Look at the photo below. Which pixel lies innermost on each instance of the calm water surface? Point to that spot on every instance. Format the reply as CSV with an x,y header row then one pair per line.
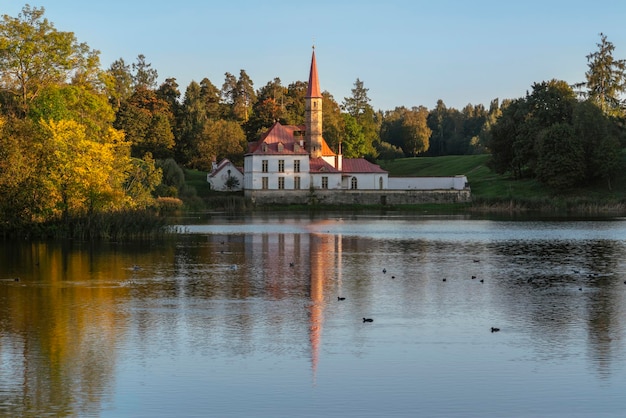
x,y
240,317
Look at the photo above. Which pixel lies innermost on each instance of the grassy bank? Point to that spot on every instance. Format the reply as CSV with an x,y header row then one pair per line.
x,y
491,192
494,192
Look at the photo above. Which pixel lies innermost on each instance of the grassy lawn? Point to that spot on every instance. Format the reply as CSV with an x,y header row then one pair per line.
x,y
485,183
488,186
197,180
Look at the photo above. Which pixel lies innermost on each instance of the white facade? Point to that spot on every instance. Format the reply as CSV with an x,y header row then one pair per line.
x,y
218,177
365,181
272,168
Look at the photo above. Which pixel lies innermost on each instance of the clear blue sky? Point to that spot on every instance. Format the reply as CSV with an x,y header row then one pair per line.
x,y
406,52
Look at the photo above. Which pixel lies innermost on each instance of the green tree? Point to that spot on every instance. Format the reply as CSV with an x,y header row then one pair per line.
x,y
173,178
441,123
357,106
415,131
354,144
145,119
294,103
73,102
600,143
561,160
144,75
505,133
142,178
168,91
481,145
200,105
119,83
20,173
333,122
474,119
34,56
407,129
232,182
220,139
239,94
606,78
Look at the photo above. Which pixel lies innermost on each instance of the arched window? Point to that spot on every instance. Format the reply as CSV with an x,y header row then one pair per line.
x,y
353,183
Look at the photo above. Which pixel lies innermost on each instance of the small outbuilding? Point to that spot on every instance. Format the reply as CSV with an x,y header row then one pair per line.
x,y
225,176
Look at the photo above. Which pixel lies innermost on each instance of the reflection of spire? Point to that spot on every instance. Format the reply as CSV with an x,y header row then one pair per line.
x,y
321,249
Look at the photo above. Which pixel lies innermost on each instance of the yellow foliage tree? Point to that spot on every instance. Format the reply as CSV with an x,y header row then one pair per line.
x,y
82,175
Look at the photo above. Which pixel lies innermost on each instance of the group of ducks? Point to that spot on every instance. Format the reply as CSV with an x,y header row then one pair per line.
x,y
493,329
340,298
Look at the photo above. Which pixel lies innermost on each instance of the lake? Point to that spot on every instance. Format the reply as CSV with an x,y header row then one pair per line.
x,y
242,317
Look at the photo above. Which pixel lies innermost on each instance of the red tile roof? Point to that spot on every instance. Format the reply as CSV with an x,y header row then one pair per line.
x,y
223,164
360,165
286,136
318,165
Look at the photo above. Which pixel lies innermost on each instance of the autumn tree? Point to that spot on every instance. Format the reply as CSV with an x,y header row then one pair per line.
x,y
74,102
145,119
20,178
83,175
407,129
267,110
220,139
34,55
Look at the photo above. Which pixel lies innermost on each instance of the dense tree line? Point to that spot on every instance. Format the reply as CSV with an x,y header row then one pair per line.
x,y
559,139
76,138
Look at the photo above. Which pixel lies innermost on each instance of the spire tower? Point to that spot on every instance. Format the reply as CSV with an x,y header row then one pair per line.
x,y
313,112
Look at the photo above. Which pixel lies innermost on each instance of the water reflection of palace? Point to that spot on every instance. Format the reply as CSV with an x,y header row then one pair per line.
x,y
305,263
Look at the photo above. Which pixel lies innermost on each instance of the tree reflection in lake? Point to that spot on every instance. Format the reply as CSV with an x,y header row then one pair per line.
x,y
241,317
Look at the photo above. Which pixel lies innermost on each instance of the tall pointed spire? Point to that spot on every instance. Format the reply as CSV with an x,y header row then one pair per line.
x,y
314,84
313,113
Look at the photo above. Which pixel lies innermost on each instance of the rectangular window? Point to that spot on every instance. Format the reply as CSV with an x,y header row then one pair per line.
x,y
281,166
296,166
324,182
296,183
264,183
264,166
281,183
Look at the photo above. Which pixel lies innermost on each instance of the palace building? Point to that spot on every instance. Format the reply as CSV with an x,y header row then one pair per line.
x,y
293,164
290,158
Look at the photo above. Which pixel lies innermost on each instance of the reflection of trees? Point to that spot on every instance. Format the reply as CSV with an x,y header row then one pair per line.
x,y
63,331
241,295
553,286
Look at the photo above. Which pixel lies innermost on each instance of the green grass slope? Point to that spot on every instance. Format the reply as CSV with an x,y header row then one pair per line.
x,y
489,188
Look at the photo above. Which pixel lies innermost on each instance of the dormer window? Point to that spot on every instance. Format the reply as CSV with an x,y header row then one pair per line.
x,y
281,147
265,147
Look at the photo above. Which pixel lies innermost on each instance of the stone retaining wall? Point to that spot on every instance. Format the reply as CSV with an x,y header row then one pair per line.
x,y
358,197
